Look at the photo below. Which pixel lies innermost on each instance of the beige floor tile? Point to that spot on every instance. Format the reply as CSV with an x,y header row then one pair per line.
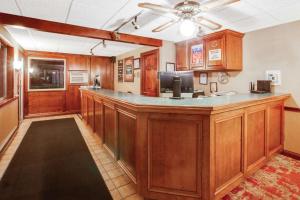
x,y
110,185
121,180
127,190
115,173
115,194
134,197
106,160
105,176
110,166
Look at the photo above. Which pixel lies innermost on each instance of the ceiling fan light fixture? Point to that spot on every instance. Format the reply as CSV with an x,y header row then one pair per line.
x,y
187,28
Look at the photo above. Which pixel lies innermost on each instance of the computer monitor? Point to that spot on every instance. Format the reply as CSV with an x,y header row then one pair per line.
x,y
187,81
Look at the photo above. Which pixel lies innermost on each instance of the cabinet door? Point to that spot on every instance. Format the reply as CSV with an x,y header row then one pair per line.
x,y
84,106
99,117
215,53
182,56
73,98
90,111
196,54
275,132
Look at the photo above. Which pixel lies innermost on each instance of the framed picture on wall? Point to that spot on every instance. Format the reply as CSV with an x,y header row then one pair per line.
x,y
197,55
128,69
120,70
136,63
203,78
170,67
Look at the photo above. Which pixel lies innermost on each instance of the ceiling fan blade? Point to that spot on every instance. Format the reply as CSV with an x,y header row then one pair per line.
x,y
213,4
207,23
158,7
164,26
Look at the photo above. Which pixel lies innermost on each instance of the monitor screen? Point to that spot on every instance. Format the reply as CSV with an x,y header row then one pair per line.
x,y
187,81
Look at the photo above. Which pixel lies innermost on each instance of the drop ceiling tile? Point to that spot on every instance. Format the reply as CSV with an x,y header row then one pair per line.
x,y
9,6
287,13
129,10
236,11
271,4
255,23
22,36
93,13
52,10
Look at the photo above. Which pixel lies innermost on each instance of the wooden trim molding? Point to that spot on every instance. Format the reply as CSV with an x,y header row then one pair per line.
x,y
68,29
291,109
50,114
7,101
291,154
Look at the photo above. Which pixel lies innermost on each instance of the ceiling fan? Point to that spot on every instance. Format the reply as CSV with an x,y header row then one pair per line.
x,y
188,14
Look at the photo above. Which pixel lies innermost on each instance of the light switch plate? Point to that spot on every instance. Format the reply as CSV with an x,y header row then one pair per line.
x,y
274,76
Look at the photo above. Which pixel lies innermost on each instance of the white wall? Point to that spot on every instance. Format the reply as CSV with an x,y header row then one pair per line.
x,y
167,54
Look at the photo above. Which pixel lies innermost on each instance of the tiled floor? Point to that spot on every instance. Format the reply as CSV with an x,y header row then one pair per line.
x,y
117,181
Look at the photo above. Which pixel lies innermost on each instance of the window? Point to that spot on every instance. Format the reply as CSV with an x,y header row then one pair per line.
x,y
3,66
46,74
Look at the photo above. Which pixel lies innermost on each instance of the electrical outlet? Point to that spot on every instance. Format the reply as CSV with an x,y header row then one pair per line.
x,y
274,76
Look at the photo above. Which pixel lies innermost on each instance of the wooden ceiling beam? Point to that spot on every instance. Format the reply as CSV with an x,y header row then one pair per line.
x,y
68,29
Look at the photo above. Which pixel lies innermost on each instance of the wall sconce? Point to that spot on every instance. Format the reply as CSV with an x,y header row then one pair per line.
x,y
31,70
18,64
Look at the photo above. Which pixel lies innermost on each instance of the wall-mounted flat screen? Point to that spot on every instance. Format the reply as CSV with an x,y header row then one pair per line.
x,y
166,81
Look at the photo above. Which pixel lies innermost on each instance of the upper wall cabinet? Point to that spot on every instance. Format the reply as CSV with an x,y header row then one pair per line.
x,y
220,51
182,61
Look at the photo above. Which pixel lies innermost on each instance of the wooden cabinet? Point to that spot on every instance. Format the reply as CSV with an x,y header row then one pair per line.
x,y
196,54
222,51
182,59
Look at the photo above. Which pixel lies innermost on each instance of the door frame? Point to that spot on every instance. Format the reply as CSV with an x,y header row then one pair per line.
x,y
156,51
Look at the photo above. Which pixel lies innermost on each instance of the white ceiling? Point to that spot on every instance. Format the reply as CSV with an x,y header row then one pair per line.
x,y
243,16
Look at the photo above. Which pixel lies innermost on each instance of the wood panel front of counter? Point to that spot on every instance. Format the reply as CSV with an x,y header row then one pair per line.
x,y
180,153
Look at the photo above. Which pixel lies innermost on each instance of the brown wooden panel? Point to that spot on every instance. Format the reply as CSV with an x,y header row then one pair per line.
x,y
103,65
228,149
46,102
127,138
256,132
73,98
174,155
275,127
110,128
98,117
90,111
84,106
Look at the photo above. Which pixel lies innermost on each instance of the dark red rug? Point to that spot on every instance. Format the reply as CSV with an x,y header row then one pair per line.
x,y
279,179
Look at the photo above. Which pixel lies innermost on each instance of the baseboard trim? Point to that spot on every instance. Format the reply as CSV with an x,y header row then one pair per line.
x,y
50,114
291,154
8,139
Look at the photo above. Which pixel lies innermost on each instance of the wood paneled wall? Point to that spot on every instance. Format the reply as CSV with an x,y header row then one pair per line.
x,y
39,103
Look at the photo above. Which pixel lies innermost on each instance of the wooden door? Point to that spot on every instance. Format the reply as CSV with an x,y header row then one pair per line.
x,y
150,63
